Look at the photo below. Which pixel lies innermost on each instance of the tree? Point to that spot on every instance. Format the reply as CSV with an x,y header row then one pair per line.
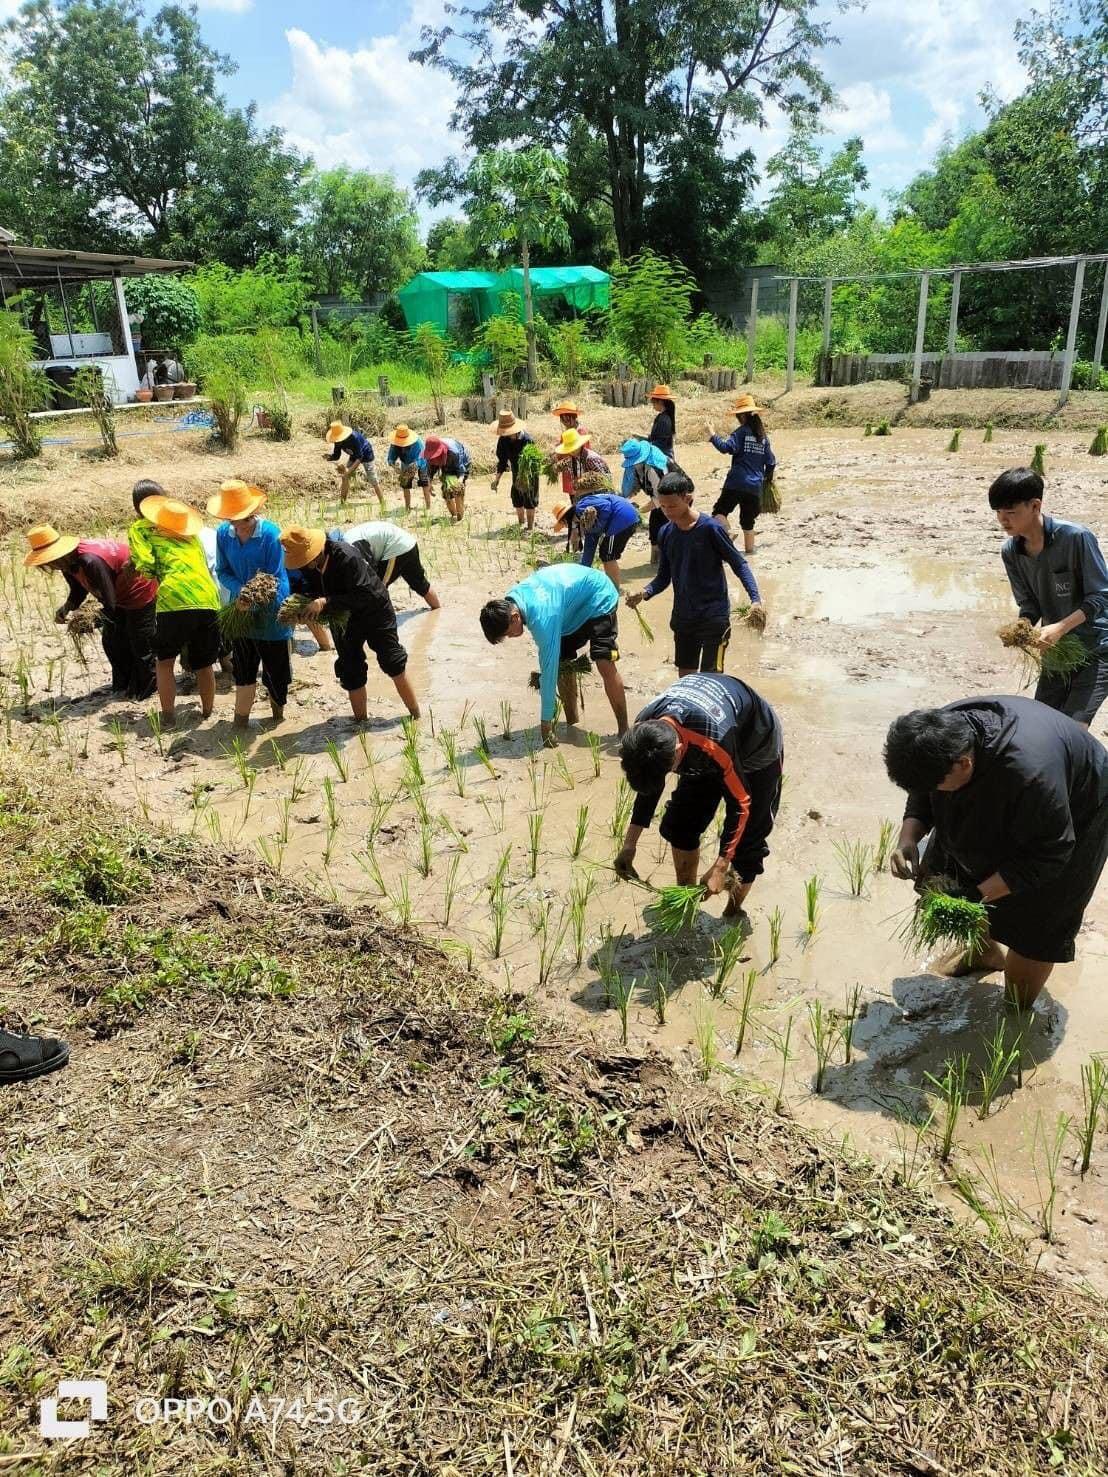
x,y
362,234
812,197
634,74
696,212
451,247
169,309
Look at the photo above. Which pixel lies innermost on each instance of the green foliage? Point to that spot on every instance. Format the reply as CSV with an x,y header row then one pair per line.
x,y
225,388
361,235
433,356
169,309
568,342
650,313
89,388
812,197
504,339
273,294
23,390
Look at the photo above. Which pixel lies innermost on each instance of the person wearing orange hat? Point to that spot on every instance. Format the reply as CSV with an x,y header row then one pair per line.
x,y
511,438
247,545
102,567
340,579
359,453
663,432
406,454
752,467
165,546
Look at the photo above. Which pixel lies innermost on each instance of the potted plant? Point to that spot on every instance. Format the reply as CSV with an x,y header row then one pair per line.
x,y
185,390
164,392
144,395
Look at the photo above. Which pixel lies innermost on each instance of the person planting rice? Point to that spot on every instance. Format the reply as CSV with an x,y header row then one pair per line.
x,y
752,468
406,454
607,522
663,432
574,457
358,449
394,554
563,606
511,438
448,456
1059,579
693,550
165,546
341,579
723,741
1013,798
644,466
246,546
102,567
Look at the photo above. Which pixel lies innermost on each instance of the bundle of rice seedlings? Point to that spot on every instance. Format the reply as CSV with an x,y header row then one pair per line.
x,y
1062,659
532,465
1038,461
243,616
452,486
754,616
676,908
644,625
882,428
869,429
988,436
576,664
291,613
1099,445
84,622
592,482
771,496
941,918
955,441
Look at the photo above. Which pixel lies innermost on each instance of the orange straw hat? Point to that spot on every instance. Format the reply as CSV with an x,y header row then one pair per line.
x,y
236,499
47,544
571,443
746,405
661,392
170,516
566,407
563,512
302,545
507,425
404,436
336,431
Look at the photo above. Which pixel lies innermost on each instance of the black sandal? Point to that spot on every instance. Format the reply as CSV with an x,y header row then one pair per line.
x,y
24,1057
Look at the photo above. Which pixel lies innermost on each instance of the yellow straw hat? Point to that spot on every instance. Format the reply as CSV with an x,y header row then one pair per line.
x,y
236,499
336,431
571,443
47,544
746,405
563,512
172,517
302,545
404,436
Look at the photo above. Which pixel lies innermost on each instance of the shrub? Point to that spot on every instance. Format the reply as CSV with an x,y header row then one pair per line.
x,y
650,312
504,339
90,389
569,339
433,356
22,388
226,391
213,352
169,309
1089,376
272,294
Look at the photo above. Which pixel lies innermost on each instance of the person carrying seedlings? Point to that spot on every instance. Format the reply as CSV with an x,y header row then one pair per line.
x,y
406,454
102,567
1059,578
607,522
751,469
693,550
248,545
359,453
723,741
663,432
511,438
563,606
568,414
446,455
644,466
341,580
394,554
1013,798
573,456
165,546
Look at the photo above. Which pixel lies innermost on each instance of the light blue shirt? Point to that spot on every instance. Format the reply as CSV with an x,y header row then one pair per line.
x,y
237,562
555,602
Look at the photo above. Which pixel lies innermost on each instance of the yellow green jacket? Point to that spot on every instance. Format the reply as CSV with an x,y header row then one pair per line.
x,y
178,564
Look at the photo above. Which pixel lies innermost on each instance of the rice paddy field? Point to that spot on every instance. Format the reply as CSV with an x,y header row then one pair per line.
x,y
819,1019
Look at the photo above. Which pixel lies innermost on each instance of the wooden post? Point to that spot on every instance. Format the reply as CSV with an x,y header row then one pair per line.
x,y
751,331
952,328
921,325
315,342
1071,333
1102,320
827,315
124,322
794,285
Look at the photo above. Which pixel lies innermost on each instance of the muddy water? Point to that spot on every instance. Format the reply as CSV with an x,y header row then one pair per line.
x,y
878,603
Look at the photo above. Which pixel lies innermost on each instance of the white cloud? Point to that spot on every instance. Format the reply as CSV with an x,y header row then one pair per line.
x,y
867,111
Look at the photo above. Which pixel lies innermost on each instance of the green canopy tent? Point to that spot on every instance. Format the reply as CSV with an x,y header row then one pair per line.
x,y
580,287
426,298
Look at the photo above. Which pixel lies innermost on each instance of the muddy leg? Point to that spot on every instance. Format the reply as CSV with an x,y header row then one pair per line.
x,y
407,694
167,689
567,691
1023,979
686,866
614,691
205,686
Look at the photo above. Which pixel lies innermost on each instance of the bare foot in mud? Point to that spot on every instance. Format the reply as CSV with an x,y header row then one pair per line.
x,y
957,963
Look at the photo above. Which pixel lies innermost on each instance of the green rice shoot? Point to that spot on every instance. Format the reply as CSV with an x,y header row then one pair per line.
x,y
532,464
243,617
941,919
644,626
291,613
676,908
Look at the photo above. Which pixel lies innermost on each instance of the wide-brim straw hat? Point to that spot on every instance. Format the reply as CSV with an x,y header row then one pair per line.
x,y
235,500
302,545
563,512
661,392
746,405
566,407
172,517
572,441
336,431
404,436
434,450
507,425
47,544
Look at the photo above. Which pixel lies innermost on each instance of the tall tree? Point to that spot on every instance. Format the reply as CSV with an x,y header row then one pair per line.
x,y
362,233
635,73
696,211
813,196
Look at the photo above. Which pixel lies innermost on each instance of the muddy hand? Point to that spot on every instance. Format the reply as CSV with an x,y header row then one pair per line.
x,y
625,867
904,862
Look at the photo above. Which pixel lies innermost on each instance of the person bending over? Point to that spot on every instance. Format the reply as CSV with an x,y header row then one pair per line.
x,y
394,554
359,453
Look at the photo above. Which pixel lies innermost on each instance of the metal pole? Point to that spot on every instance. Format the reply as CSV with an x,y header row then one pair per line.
x,y
1101,321
794,284
124,323
955,295
751,331
315,341
1071,333
921,325
65,315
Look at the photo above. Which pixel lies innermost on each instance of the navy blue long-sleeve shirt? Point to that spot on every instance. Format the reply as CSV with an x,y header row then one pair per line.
x,y
752,461
1070,573
692,560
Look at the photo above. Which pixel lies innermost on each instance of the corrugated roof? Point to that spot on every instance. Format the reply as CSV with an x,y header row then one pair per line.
x,y
42,266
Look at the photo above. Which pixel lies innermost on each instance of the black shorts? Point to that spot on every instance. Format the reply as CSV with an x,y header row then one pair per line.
x,y
1079,695
658,521
409,476
409,568
613,546
602,634
524,497
703,648
272,656
198,630
374,628
695,801
748,503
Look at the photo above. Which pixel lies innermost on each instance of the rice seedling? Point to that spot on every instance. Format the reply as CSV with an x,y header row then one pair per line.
x,y
581,831
550,937
594,749
746,999
154,722
1099,444
506,721
781,1044
675,909
728,950
367,860
298,780
22,675
775,921
882,428
849,1020
482,746
241,618
856,862
278,755
416,795
662,983
284,810
215,827
1060,659
1002,1202
1094,1095
426,848
539,779
883,850
625,800
706,1036
955,441
338,759
402,903
252,780
1001,1055
822,1034
606,965
498,911
534,840
1038,460
812,889
410,751
237,755
939,918
450,889
367,752
272,851
291,613
868,429
580,891
565,774
53,725
988,436
1046,1156
486,806
951,1091
644,626
771,495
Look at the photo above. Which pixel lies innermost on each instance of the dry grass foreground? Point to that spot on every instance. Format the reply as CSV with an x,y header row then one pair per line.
x,y
299,1154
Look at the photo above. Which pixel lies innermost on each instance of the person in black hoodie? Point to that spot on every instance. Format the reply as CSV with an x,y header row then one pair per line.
x,y
663,432
1014,798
